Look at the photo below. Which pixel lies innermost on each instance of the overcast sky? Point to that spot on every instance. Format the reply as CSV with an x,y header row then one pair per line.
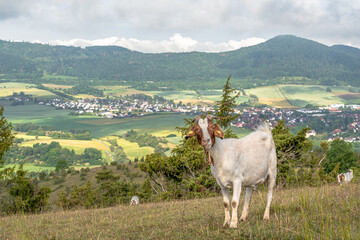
x,y
178,25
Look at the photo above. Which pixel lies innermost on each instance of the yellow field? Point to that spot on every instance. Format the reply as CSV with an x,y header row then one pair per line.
x,y
85,96
78,145
28,137
131,149
8,88
270,95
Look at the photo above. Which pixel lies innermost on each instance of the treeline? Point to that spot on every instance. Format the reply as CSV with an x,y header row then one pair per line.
x,y
147,140
26,127
84,89
69,135
56,92
49,154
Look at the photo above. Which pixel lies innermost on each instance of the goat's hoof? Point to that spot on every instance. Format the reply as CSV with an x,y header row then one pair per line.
x,y
225,223
233,225
243,219
266,217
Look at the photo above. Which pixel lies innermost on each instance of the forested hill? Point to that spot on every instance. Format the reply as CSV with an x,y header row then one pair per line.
x,y
281,59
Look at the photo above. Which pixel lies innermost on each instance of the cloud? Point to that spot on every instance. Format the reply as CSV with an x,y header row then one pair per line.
x,y
330,21
176,43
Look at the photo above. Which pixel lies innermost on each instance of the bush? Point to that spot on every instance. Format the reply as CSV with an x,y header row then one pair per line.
x,y
25,195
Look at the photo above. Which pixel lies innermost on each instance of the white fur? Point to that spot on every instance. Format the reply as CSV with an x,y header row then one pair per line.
x,y
134,200
244,162
347,177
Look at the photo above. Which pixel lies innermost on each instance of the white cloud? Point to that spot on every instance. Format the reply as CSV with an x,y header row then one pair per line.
x,y
176,43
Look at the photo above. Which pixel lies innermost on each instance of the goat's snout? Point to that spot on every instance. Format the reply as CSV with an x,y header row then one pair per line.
x,y
205,141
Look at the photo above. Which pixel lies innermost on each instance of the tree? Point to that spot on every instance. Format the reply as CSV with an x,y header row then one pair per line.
x,y
25,194
339,152
225,112
6,140
291,153
60,165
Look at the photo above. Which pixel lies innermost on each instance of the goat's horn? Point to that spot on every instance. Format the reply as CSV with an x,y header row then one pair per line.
x,y
211,117
197,118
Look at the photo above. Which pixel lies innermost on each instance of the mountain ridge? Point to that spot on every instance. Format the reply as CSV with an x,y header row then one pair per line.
x,y
284,56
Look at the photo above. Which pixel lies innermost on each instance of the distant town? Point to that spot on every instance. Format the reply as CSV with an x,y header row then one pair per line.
x,y
336,120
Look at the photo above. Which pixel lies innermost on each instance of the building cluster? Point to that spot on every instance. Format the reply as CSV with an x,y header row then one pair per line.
x,y
120,108
338,120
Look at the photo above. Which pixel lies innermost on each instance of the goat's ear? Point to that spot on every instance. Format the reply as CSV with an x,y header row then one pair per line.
x,y
191,133
218,132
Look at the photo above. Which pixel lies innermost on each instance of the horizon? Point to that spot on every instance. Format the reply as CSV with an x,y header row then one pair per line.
x,y
174,45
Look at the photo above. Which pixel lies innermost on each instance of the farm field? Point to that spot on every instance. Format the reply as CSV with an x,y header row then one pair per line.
x,y
301,95
31,167
78,145
326,212
8,88
99,127
57,86
131,149
284,96
117,91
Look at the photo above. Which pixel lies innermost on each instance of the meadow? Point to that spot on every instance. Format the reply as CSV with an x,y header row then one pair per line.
x,y
326,212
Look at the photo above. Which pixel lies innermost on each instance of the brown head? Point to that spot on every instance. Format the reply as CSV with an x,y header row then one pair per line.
x,y
206,131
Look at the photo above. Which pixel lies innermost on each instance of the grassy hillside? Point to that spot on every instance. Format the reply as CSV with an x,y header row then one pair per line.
x,y
327,212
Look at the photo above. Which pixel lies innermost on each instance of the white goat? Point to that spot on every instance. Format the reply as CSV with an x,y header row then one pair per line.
x,y
238,162
345,177
134,200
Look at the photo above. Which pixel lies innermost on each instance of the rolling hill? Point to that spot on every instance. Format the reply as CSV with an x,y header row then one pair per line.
x,y
282,59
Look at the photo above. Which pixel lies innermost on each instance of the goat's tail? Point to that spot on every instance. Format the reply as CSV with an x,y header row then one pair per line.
x,y
264,127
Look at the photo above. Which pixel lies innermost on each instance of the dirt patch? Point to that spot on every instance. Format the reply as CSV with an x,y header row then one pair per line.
x,y
348,96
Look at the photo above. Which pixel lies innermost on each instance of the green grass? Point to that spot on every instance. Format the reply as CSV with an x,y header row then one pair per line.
x,y
328,212
301,95
31,167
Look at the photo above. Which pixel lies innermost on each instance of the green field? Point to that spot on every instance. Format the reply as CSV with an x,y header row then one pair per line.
x,y
284,96
301,95
326,212
31,167
99,127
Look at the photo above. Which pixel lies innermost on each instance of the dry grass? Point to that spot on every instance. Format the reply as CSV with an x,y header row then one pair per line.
x,y
328,212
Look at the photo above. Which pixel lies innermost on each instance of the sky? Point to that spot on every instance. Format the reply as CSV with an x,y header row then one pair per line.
x,y
178,25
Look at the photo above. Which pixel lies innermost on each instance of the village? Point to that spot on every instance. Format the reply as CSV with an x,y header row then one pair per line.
x,y
338,120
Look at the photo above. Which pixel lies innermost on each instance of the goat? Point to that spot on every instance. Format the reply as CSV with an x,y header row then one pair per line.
x,y
134,200
238,162
345,177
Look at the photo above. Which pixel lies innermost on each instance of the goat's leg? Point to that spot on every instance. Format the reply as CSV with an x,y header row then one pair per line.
x,y
245,211
225,193
235,203
272,180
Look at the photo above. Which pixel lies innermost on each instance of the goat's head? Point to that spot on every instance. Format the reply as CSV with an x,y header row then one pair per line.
x,y
205,131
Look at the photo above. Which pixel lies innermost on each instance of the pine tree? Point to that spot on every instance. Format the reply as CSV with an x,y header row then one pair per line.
x,y
6,140
225,113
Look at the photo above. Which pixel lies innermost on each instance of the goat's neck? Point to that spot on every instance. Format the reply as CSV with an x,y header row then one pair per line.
x,y
215,151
